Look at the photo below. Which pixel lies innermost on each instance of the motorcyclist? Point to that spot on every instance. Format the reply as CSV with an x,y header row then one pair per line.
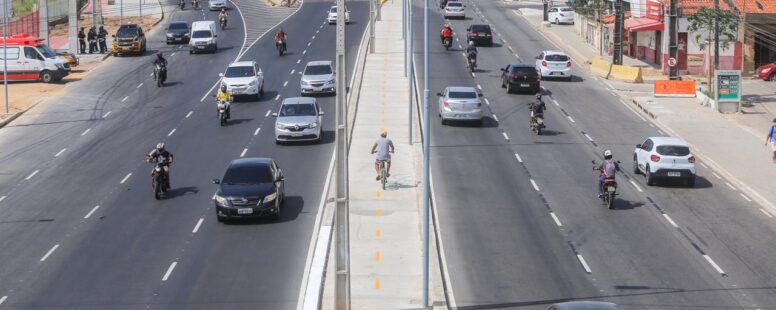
x,y
471,52
223,96
608,169
194,4
222,16
161,61
280,36
181,3
446,33
537,108
161,155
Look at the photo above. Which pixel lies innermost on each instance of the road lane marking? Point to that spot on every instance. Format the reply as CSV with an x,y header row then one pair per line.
x,y
766,213
245,150
292,71
209,91
495,117
285,83
268,112
716,175
588,137
3,198
169,271
196,227
555,218
32,174
173,54
730,185
536,187
570,119
479,86
49,252
91,212
125,178
713,264
703,165
277,97
189,114
308,44
257,131
650,125
670,220
636,186
86,131
106,114
298,60
304,52
141,85
555,102
473,75
171,132
661,132
520,160
505,136
60,152
2,299
747,198
584,263
125,99
486,101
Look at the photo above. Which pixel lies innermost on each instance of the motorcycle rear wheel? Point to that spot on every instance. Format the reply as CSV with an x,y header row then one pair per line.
x,y
609,200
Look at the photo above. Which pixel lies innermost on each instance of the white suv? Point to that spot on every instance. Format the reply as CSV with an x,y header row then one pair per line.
x,y
666,158
244,78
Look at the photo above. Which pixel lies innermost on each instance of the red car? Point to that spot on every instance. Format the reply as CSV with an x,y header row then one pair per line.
x,y
767,72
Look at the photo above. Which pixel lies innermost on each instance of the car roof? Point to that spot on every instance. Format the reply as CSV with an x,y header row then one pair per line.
x,y
554,52
584,305
454,2
248,63
522,65
461,89
203,24
178,22
298,100
250,161
319,62
129,26
668,141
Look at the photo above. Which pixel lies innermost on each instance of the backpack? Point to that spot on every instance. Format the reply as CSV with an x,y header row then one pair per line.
x,y
610,169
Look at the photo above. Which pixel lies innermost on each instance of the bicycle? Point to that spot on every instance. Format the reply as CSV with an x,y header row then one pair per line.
x,y
383,173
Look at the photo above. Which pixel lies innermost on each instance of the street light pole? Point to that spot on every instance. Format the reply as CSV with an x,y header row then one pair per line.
x,y
371,26
410,69
426,155
342,248
5,55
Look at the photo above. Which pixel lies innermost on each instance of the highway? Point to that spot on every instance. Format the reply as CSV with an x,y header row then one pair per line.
x,y
81,228
521,226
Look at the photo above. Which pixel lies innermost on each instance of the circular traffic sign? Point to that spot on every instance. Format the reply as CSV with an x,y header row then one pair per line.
x,y
672,62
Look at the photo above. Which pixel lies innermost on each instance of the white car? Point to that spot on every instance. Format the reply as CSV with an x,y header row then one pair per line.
x,y
455,9
665,158
554,64
243,78
561,15
332,18
298,119
318,77
214,5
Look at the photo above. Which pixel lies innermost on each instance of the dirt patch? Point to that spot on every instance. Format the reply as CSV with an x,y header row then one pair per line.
x,y
111,24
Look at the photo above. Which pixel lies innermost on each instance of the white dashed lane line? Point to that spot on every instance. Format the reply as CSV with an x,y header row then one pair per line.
x,y
308,44
86,131
746,198
292,71
141,85
268,113
196,227
277,97
555,102
91,212
520,160
2,198
661,132
106,114
189,114
245,150
2,299
713,264
49,253
486,101
298,61
173,54
670,220
584,263
570,119
505,136
125,178
717,175
32,174
703,165
169,271
588,137
761,210
257,131
125,99
304,52
60,152
495,117
533,183
285,83
636,186
479,86
730,185
171,132
555,218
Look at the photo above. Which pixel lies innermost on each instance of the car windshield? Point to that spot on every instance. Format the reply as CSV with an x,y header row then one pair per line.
x,y
297,110
201,34
239,72
317,70
126,32
333,9
480,28
462,95
566,10
454,4
673,150
248,175
178,26
46,51
556,57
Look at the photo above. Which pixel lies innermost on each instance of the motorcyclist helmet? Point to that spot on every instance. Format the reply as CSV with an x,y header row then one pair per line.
x,y
447,25
223,88
159,55
384,133
223,10
539,96
160,146
608,154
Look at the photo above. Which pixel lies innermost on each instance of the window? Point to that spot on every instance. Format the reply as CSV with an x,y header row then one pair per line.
x,y
556,57
462,95
298,110
11,52
248,174
673,150
480,28
178,26
31,53
455,4
239,72
524,71
647,146
199,34
566,10
317,70
127,32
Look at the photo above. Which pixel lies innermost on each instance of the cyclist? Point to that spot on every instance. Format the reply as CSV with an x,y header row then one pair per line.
x,y
383,147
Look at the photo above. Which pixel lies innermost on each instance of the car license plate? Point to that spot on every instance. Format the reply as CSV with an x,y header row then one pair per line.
x,y
481,35
296,134
674,174
523,85
177,39
245,211
318,88
610,188
200,46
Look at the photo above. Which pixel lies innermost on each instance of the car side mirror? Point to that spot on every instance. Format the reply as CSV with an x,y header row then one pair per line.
x,y
221,74
320,113
215,35
274,115
592,162
439,94
114,36
280,178
469,29
480,94
538,57
503,70
216,181
638,146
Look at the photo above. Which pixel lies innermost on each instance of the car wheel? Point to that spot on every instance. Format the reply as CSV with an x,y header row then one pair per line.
x,y
278,142
220,219
479,122
568,79
691,182
502,84
261,91
636,166
772,78
46,76
444,122
650,178
557,22
509,89
276,216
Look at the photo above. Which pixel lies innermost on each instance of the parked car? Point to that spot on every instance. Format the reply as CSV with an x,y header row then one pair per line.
x,y
460,104
318,77
244,78
177,32
767,72
561,15
251,187
516,77
129,39
455,9
332,17
583,305
554,64
298,119
203,37
665,158
480,35
215,5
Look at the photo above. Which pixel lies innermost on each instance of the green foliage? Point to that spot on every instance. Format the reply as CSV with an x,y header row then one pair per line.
x,y
704,20
23,7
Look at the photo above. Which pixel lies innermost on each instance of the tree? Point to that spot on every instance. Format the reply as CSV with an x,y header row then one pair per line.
x,y
703,20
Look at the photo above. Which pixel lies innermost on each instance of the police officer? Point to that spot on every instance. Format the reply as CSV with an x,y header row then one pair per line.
x,y
101,34
82,41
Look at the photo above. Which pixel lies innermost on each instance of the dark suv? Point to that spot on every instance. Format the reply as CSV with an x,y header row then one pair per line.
x,y
251,187
517,77
480,35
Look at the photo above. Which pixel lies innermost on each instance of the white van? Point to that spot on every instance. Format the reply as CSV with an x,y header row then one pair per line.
x,y
203,37
31,61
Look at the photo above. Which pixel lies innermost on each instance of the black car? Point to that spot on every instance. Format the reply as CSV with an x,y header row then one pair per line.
x,y
480,35
517,77
178,32
251,187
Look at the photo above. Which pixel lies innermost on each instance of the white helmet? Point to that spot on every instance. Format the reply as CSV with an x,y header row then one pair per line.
x,y
608,154
160,146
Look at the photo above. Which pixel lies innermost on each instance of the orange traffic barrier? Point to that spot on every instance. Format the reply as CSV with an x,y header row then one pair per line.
x,y
671,88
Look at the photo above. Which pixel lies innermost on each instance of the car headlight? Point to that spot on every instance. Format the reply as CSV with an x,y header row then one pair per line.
x,y
221,201
169,34
59,65
304,82
312,125
281,126
766,70
332,81
254,82
270,197
186,34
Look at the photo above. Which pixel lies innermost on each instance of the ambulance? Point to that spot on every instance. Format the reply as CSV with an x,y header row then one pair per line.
x,y
28,59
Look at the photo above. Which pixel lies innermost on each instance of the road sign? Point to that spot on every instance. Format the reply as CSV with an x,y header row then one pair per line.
x,y
672,62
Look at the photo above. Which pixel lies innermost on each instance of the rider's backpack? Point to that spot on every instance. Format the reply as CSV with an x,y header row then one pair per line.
x,y
609,169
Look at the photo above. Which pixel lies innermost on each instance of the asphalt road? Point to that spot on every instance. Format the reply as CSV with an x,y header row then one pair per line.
x,y
82,229
521,225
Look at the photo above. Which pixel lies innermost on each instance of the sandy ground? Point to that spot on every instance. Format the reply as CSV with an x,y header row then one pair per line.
x,y
111,23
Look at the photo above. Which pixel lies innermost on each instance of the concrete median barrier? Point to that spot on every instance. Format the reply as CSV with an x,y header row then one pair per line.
x,y
601,67
627,73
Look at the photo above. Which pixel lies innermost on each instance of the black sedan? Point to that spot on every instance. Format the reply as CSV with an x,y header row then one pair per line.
x,y
177,32
516,77
480,35
251,187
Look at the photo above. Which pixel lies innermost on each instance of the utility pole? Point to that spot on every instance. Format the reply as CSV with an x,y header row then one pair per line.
x,y
673,48
716,35
5,54
545,4
371,26
426,149
379,9
95,4
410,69
43,19
72,26
342,248
618,32
600,28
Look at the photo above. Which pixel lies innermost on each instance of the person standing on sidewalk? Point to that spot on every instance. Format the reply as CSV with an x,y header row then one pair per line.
x,y
92,37
82,41
772,139
383,147
101,35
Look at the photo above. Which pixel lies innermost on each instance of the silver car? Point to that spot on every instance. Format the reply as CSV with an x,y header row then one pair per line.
x,y
455,10
299,119
214,5
318,77
460,104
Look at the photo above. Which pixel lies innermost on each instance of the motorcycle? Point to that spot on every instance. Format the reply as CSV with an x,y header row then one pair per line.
x,y
222,116
222,20
537,124
195,4
281,47
182,4
447,42
160,74
609,190
159,181
472,62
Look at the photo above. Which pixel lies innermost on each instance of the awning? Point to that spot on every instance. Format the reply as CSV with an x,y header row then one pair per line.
x,y
643,24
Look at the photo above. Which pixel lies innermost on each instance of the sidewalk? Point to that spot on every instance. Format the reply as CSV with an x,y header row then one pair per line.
x,y
731,144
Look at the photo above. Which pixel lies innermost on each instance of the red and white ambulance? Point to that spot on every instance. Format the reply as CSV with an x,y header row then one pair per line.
x,y
28,59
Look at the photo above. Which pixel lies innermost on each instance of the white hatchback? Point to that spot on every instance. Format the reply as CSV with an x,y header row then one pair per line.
x,y
332,17
665,158
561,15
554,64
214,5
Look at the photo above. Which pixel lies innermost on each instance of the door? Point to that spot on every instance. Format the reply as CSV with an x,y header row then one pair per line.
x,y
32,64
681,41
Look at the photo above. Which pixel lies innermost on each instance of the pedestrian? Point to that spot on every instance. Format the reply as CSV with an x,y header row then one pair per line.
x,y
101,34
92,37
772,139
82,41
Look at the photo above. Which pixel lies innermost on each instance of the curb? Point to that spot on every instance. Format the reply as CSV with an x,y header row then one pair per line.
x,y
643,109
10,119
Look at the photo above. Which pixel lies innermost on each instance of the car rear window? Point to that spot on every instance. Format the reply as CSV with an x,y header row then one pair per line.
x,y
455,4
481,28
317,70
673,150
201,34
179,26
248,175
462,95
523,71
566,10
556,58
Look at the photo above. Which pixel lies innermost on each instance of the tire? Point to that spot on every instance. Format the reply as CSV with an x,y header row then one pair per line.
x,y
502,84
47,76
636,170
772,78
610,201
276,216
261,90
278,142
479,123
557,22
444,122
539,131
691,182
159,82
157,190
509,89
650,178
220,219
